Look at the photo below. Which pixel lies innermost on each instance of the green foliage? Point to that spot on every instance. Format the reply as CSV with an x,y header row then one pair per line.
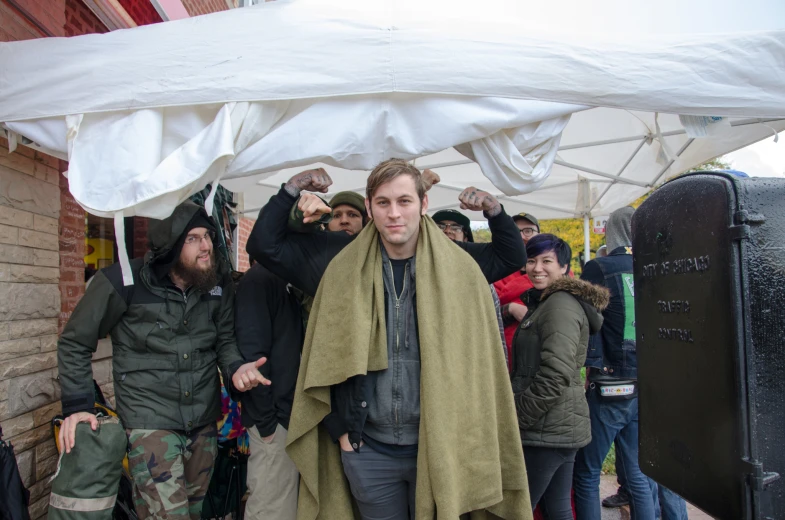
x,y
571,231
481,235
609,465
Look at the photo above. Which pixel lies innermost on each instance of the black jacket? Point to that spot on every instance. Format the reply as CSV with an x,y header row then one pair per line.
x,y
268,324
612,353
301,259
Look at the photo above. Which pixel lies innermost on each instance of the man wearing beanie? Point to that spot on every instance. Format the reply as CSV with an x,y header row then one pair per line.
x,y
171,331
611,373
348,213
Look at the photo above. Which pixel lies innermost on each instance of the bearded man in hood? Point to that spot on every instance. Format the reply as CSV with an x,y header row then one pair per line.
x,y
171,331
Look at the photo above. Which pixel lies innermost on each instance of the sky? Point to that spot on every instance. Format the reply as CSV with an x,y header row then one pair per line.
x,y
764,158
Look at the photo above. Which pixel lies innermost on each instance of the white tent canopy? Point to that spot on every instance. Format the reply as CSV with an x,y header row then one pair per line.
x,y
560,123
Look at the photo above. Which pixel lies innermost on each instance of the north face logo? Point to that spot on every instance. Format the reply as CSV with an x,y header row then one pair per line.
x,y
216,291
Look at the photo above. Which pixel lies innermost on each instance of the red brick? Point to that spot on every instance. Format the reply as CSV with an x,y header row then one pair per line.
x,y
70,261
73,291
81,20
67,276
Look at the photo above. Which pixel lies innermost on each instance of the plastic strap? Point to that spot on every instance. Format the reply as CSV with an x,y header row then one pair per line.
x,y
209,201
13,141
776,135
664,146
83,505
122,252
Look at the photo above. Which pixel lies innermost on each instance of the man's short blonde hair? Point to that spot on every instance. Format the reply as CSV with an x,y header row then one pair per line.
x,y
390,169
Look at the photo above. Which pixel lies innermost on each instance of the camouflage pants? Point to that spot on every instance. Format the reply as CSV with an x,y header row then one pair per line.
x,y
171,470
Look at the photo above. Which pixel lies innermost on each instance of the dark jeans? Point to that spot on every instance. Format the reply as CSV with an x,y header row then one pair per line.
x,y
382,486
550,480
611,420
667,504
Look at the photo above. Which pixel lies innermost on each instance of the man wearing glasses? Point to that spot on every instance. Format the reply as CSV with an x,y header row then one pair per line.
x,y
511,288
171,331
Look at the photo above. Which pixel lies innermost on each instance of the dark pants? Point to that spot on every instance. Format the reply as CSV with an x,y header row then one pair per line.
x,y
382,486
611,420
667,504
550,480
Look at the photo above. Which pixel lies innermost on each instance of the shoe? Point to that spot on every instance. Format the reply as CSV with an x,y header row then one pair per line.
x,y
621,498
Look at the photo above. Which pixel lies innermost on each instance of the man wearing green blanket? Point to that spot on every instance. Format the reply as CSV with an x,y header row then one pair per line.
x,y
402,366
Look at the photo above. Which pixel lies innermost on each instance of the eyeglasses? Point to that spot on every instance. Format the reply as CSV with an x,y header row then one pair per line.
x,y
452,227
528,231
197,239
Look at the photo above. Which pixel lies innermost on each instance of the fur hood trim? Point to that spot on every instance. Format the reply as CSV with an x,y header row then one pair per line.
x,y
596,296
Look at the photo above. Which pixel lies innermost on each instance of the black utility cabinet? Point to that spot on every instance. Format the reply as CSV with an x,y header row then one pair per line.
x,y
709,253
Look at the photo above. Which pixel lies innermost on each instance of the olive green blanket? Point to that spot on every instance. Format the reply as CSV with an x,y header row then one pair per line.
x,y
470,462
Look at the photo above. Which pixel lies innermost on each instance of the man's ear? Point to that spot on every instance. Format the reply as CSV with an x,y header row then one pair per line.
x,y
368,209
424,205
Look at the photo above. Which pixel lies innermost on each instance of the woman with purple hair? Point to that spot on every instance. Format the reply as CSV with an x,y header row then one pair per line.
x,y
548,351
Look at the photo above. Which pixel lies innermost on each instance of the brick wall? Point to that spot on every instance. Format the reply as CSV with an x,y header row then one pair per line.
x,y
197,7
140,238
244,228
29,309
142,11
41,270
72,250
79,19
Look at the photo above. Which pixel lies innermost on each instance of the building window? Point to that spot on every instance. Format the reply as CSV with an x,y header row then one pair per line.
x,y
101,249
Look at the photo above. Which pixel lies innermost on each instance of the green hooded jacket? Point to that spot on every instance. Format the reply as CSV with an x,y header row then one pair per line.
x,y
167,344
548,352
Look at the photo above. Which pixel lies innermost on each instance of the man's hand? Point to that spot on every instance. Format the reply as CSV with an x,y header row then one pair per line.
x,y
343,440
312,207
68,429
429,179
309,180
517,311
248,376
477,200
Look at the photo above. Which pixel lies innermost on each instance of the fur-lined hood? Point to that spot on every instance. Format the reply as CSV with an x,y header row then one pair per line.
x,y
593,298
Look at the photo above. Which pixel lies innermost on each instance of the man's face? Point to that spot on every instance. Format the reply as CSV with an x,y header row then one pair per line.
x,y
346,218
527,229
396,211
453,230
197,252
196,265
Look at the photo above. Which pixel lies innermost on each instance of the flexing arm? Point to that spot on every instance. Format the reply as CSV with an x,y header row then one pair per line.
x,y
506,252
299,259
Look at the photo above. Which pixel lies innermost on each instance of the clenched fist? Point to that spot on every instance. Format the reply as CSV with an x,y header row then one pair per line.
x,y
477,200
309,180
430,178
312,207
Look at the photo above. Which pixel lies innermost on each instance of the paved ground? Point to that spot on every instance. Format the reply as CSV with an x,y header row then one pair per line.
x,y
608,487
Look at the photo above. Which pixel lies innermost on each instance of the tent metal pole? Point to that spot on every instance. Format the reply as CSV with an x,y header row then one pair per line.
x,y
586,239
586,191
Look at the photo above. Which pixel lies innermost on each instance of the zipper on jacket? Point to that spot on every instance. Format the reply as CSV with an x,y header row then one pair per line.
x,y
397,322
